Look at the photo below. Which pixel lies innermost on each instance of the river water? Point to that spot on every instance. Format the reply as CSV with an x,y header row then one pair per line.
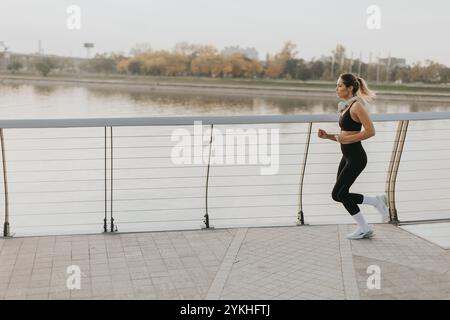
x,y
56,177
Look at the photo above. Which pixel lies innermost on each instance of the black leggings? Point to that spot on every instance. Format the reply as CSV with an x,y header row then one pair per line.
x,y
354,160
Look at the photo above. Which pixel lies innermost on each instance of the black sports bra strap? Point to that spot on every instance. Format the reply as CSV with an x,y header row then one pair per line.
x,y
348,109
351,105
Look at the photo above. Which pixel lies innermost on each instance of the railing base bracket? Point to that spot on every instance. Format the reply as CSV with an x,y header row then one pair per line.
x,y
299,224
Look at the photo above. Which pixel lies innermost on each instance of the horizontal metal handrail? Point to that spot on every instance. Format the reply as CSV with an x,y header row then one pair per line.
x,y
207,120
112,161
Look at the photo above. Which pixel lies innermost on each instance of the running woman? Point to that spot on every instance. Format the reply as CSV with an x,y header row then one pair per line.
x,y
355,93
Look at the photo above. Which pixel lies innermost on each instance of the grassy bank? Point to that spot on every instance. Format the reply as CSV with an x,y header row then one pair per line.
x,y
226,83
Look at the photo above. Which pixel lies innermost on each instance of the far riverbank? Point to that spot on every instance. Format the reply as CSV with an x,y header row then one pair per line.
x,y
258,87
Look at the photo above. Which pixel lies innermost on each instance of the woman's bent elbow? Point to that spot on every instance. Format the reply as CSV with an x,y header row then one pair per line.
x,y
371,133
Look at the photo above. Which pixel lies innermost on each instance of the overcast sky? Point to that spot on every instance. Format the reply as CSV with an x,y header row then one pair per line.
x,y
415,30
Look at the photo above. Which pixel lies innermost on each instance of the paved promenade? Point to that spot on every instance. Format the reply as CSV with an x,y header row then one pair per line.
x,y
310,262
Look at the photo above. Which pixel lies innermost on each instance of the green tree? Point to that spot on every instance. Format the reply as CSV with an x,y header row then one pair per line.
x,y
303,70
444,74
45,65
15,66
317,68
291,68
400,74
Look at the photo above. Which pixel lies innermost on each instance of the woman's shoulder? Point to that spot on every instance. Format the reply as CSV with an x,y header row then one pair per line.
x,y
359,105
358,108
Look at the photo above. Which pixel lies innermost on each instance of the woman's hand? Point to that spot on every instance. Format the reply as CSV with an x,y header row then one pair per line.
x,y
322,134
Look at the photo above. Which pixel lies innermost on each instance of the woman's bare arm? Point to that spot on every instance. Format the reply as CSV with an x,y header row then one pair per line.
x,y
331,136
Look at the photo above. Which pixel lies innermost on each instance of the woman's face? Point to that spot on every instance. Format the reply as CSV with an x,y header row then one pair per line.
x,y
342,91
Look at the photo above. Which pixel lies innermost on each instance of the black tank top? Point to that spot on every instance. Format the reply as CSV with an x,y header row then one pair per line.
x,y
347,123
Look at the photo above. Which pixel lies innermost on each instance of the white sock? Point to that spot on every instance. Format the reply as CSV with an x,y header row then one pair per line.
x,y
373,201
362,223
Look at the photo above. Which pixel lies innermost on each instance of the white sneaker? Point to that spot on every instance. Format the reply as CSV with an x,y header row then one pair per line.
x,y
360,234
383,208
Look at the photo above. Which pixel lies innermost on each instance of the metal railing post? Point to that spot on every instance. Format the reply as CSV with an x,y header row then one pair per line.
x,y
300,215
6,231
113,227
105,226
393,168
206,217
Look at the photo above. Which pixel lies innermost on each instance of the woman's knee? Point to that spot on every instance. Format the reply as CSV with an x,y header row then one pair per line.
x,y
335,194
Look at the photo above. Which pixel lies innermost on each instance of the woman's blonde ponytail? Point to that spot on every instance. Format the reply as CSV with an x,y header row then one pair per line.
x,y
364,92
359,85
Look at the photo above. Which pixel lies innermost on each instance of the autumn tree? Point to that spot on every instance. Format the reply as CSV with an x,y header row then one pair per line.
x,y
122,66
187,49
274,68
136,66
207,62
416,72
431,71
176,64
283,62
287,52
233,65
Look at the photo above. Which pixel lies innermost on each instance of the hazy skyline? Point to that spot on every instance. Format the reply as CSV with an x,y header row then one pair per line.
x,y
414,30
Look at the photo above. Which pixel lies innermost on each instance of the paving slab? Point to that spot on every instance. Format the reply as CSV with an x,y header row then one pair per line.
x,y
295,263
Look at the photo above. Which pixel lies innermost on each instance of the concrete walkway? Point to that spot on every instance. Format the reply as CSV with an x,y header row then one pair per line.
x,y
311,262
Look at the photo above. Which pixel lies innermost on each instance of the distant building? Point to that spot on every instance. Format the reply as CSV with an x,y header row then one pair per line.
x,y
250,53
